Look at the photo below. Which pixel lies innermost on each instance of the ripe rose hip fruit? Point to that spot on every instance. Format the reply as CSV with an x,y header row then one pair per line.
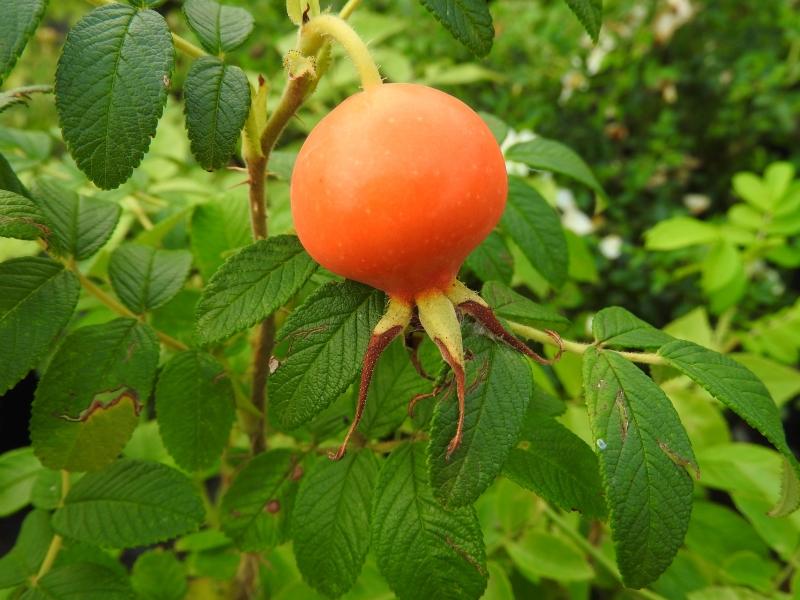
x,y
394,188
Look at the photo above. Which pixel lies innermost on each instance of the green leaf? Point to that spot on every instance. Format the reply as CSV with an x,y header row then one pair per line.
x,y
218,228
159,575
557,465
550,155
680,232
9,180
499,587
618,328
80,225
19,469
510,305
29,550
499,388
644,454
21,218
145,278
330,528
217,102
423,549
469,21
540,554
751,188
498,127
251,285
88,401
20,20
590,14
722,264
81,581
534,226
491,259
219,28
37,297
195,409
256,508
111,87
131,503
327,337
741,391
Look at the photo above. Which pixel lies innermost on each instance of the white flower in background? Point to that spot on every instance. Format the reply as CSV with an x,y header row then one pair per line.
x,y
611,246
598,53
675,15
696,203
516,137
572,217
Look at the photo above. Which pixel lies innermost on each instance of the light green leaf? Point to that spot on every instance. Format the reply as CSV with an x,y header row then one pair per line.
x,y
20,20
550,155
540,554
24,559
21,218
752,189
590,14
499,388
423,549
257,507
510,305
778,177
131,503
725,593
644,454
680,232
327,337
715,532
81,581
159,575
296,8
251,285
557,465
88,401
219,28
195,409
499,587
722,264
37,297
742,392
491,260
80,225
217,102
145,278
469,21
782,382
618,328
19,469
534,226
330,528
111,87
218,228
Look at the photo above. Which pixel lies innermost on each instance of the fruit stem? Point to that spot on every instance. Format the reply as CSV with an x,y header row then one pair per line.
x,y
318,28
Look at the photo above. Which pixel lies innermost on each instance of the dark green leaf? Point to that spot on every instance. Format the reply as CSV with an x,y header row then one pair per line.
x,y
81,581
217,102
590,14
618,328
644,454
159,575
80,225
24,558
9,180
19,469
251,285
557,465
510,305
20,20
195,408
469,21
499,127
131,503
491,260
219,228
88,401
145,278
219,28
549,155
256,509
534,226
330,528
741,391
327,337
21,218
37,297
423,549
500,386
111,87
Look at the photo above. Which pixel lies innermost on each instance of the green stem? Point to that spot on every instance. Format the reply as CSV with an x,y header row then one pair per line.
x,y
57,541
538,335
349,8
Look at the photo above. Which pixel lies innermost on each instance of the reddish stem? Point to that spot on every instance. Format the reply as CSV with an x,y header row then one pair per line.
x,y
377,344
458,372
